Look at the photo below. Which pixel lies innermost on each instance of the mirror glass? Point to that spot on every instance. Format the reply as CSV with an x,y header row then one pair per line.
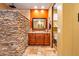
x,y
39,23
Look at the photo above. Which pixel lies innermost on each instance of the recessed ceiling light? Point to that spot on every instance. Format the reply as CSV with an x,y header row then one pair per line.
x,y
42,7
36,11
35,7
42,11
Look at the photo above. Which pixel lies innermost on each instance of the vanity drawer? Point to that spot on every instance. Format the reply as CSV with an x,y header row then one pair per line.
x,y
39,38
31,38
47,39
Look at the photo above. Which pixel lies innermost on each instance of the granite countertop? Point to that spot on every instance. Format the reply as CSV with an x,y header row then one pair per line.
x,y
38,32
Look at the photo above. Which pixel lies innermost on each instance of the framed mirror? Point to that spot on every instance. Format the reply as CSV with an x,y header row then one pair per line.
x,y
39,23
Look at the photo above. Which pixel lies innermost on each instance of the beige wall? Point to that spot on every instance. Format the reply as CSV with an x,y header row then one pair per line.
x,y
60,28
50,21
3,6
75,30
67,31
70,37
26,13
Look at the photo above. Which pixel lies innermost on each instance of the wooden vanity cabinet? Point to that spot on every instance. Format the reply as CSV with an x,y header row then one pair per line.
x,y
31,39
39,38
47,39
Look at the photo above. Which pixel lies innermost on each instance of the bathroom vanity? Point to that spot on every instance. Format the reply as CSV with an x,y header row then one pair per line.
x,y
39,34
39,38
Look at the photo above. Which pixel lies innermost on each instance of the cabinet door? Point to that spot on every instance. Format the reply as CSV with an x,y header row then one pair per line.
x,y
47,39
31,37
39,39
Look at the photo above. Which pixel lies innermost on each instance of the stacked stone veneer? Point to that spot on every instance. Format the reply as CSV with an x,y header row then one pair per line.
x,y
13,37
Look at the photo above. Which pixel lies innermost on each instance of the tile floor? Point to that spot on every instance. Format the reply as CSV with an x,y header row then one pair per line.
x,y
40,51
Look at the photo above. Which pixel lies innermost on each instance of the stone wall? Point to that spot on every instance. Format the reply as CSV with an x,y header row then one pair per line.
x,y
13,35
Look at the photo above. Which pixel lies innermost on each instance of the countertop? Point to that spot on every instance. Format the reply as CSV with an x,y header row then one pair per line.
x,y
38,32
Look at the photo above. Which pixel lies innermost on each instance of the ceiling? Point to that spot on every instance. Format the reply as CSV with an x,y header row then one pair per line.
x,y
30,5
